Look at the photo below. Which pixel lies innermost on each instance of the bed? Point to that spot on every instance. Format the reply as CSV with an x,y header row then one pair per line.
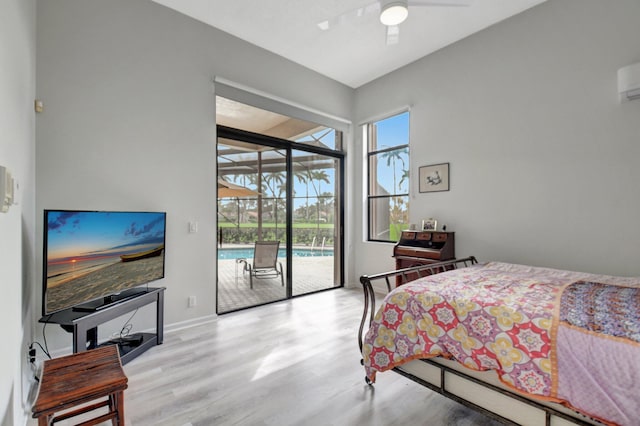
x,y
525,345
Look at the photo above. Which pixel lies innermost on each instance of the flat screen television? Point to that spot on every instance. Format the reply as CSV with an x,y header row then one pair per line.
x,y
93,259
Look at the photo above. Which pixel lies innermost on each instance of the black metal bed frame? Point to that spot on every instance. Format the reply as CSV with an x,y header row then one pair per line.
x,y
408,274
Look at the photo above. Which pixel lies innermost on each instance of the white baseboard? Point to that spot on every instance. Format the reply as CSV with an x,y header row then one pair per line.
x,y
189,323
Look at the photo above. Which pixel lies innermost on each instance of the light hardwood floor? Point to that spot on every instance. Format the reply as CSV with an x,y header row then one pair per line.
x,y
290,363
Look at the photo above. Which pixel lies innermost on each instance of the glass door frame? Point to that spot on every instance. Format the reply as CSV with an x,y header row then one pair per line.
x,y
288,146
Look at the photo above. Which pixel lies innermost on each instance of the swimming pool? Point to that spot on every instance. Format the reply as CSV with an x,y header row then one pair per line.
x,y
247,253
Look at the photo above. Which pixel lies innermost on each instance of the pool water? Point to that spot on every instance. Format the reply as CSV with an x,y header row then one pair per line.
x,y
247,253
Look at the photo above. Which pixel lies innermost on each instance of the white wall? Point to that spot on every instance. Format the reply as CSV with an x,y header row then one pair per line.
x,y
17,143
129,124
542,153
544,158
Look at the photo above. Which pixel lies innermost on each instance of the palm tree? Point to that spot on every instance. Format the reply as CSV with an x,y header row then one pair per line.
x,y
319,176
392,157
328,203
302,176
275,182
397,213
254,180
405,176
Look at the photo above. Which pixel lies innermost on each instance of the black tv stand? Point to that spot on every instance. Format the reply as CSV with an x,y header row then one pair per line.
x,y
130,340
84,324
100,304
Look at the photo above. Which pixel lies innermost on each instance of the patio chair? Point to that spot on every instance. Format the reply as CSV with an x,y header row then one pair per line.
x,y
265,262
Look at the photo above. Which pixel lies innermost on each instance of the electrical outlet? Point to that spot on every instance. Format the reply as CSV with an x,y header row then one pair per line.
x,y
32,354
192,301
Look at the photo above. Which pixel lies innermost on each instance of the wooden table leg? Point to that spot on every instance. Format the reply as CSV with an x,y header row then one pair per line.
x,y
119,409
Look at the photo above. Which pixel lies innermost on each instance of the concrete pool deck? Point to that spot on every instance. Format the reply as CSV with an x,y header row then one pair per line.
x,y
310,273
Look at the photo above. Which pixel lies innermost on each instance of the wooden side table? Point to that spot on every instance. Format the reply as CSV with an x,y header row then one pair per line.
x,y
82,378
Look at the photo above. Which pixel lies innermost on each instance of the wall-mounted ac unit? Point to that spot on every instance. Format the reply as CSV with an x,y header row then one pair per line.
x,y
629,82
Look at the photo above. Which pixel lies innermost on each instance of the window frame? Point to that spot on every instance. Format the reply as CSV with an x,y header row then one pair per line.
x,y
370,128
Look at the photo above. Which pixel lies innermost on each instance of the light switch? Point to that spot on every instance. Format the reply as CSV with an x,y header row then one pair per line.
x,y
192,302
193,227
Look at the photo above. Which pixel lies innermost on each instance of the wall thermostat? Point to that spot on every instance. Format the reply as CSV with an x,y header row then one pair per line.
x,y
6,189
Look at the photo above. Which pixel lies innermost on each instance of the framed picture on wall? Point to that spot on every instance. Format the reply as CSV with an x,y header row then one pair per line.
x,y
434,178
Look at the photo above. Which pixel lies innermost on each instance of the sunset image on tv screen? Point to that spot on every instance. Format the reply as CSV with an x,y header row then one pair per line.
x,y
94,254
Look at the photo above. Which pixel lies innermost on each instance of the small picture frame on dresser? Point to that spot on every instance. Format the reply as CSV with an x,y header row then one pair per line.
x,y
429,224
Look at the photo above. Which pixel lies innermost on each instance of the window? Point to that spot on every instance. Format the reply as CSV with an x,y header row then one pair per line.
x,y
324,137
388,177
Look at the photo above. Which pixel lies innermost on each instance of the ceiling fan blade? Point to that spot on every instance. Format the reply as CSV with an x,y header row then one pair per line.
x,y
350,16
462,3
393,34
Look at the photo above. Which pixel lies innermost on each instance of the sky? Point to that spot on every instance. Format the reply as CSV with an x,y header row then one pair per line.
x,y
393,131
89,234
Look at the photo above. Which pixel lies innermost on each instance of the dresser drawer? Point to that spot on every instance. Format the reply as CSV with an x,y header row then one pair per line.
x,y
440,237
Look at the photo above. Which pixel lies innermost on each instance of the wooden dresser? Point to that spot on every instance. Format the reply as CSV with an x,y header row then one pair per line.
x,y
422,247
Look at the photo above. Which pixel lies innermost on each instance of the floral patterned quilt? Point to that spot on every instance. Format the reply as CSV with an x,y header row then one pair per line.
x,y
500,317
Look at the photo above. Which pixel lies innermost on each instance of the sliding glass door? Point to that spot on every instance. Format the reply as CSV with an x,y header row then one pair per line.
x,y
252,231
276,192
316,222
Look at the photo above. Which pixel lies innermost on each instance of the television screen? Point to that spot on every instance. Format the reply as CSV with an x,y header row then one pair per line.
x,y
90,256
